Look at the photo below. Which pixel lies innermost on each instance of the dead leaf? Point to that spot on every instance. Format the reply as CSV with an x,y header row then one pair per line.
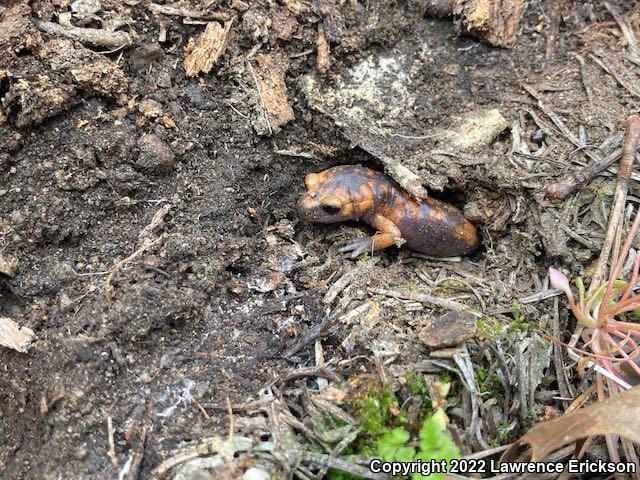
x,y
14,336
618,415
208,49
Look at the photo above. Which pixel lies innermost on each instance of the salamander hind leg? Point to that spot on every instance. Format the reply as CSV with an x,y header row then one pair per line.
x,y
389,235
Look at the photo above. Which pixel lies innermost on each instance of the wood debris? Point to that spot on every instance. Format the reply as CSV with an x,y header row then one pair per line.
x,y
208,49
323,61
272,89
14,336
492,21
478,130
91,36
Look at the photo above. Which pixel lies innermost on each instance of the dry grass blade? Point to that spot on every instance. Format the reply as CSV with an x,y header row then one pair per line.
x,y
617,416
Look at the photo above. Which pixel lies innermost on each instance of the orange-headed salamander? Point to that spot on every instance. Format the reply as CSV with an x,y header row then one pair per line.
x,y
352,192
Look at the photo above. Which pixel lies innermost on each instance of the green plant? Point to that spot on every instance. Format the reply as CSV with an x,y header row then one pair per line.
x,y
609,340
434,444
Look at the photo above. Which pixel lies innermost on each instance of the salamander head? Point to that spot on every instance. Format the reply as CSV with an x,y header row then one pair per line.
x,y
328,198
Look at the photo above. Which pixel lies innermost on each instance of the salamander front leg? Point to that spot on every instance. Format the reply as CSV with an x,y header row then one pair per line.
x,y
389,235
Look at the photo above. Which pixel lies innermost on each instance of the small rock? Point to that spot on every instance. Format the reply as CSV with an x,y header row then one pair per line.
x,y
150,108
155,155
197,97
8,265
255,473
145,55
163,80
450,329
86,7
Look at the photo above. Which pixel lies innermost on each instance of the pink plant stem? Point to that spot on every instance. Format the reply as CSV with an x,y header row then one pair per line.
x,y
631,139
626,339
606,364
634,279
629,361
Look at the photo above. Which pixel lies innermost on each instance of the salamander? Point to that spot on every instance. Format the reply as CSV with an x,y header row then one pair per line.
x,y
353,192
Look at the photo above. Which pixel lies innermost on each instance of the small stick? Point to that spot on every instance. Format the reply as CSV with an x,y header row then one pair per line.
x,y
609,68
138,455
423,298
553,28
264,109
583,74
565,187
187,12
112,445
631,139
93,36
626,29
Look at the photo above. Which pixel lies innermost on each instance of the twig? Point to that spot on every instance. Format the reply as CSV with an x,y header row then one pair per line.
x,y
609,68
187,12
323,372
243,407
423,298
558,122
632,137
486,453
553,28
264,109
584,76
537,297
138,455
207,447
93,36
626,29
311,335
558,361
562,189
324,460
611,440
111,453
107,284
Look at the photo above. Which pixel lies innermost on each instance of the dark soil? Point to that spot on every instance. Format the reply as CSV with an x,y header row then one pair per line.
x,y
93,145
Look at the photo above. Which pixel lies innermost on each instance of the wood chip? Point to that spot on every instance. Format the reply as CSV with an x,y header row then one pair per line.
x,y
493,21
208,49
273,92
323,62
14,336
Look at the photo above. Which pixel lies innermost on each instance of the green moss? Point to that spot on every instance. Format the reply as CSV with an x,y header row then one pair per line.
x,y
374,411
489,382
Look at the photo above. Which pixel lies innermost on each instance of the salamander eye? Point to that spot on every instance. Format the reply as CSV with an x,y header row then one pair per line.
x,y
330,210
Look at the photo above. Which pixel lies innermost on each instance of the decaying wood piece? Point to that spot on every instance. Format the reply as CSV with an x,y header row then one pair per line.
x,y
208,49
493,21
272,89
14,336
323,61
91,36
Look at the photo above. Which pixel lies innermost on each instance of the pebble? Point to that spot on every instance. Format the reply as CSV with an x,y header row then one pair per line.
x,y
155,155
255,473
448,330
150,108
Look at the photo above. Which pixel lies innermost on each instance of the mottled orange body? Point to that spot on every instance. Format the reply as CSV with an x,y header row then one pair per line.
x,y
352,192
